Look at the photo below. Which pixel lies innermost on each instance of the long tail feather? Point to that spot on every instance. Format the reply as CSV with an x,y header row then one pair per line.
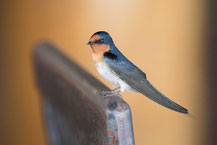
x,y
152,93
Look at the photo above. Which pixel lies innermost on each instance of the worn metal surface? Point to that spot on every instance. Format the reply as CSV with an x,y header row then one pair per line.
x,y
75,113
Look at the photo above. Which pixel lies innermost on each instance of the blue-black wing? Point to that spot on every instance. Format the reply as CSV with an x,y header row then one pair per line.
x,y
135,78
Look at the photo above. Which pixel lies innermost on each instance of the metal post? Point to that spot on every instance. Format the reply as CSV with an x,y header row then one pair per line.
x,y
74,112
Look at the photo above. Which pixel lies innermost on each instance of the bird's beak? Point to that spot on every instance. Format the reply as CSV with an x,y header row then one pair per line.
x,y
90,43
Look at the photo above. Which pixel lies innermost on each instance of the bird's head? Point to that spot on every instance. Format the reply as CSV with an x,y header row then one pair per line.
x,y
100,42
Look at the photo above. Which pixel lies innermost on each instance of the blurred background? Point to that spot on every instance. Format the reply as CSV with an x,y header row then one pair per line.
x,y
173,41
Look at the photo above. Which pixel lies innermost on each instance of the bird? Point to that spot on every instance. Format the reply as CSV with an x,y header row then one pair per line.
x,y
122,73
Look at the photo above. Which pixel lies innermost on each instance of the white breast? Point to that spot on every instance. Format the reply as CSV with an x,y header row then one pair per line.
x,y
110,75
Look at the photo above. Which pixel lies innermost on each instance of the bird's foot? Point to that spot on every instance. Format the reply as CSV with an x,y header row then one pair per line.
x,y
107,94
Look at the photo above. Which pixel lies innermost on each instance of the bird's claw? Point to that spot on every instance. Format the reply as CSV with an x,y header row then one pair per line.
x,y
107,94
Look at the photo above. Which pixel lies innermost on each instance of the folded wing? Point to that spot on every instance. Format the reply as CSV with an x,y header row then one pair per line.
x,y
134,77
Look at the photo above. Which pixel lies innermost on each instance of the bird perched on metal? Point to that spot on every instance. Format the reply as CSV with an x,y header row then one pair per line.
x,y
122,73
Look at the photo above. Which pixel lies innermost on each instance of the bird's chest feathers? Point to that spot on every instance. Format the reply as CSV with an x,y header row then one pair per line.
x,y
104,69
107,73
98,52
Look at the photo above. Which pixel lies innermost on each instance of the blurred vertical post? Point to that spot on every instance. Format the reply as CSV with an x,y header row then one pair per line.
x,y
212,73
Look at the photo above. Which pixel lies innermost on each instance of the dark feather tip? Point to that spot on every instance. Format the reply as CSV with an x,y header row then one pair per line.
x,y
110,55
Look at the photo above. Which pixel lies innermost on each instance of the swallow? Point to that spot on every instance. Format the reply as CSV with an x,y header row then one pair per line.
x,y
122,73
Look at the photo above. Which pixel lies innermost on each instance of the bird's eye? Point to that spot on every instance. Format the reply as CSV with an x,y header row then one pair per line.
x,y
101,41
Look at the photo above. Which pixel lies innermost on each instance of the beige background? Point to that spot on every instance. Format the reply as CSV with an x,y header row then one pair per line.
x,y
163,38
